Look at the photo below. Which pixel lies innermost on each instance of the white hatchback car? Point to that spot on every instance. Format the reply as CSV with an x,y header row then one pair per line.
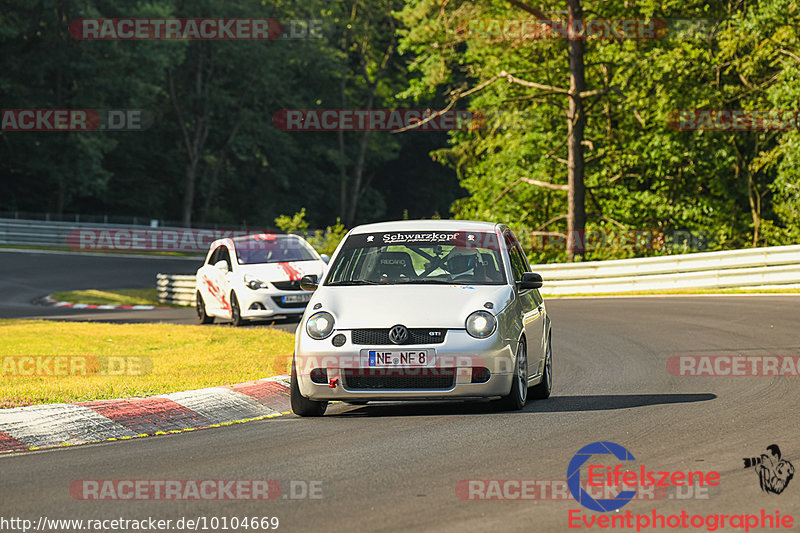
x,y
424,309
255,277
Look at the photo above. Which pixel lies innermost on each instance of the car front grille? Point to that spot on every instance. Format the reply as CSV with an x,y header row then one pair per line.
x,y
398,378
378,337
286,285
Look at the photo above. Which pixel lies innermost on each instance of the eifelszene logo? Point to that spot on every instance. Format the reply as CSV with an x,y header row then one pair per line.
x,y
774,472
621,477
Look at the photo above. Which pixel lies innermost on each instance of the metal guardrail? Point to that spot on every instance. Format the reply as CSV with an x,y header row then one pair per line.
x,y
141,238
753,267
176,289
48,233
773,267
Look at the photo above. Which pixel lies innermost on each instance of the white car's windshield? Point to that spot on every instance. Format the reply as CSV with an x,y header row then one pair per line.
x,y
418,257
269,248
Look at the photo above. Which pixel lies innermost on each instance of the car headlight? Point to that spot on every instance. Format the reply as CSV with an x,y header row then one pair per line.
x,y
320,325
254,283
481,324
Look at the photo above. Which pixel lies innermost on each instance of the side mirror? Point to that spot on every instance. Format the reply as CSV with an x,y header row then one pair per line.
x,y
221,265
309,282
530,280
326,258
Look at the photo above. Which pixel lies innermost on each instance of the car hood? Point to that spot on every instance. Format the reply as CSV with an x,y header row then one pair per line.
x,y
414,306
288,271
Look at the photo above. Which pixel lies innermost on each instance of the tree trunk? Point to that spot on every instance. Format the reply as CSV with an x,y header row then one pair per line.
x,y
193,140
188,193
358,176
755,207
576,213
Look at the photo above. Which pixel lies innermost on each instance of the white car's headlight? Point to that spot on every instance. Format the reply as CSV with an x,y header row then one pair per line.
x,y
254,283
320,325
481,324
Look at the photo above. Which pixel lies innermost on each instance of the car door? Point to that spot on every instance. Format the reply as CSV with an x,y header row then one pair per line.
x,y
226,279
215,284
530,307
204,273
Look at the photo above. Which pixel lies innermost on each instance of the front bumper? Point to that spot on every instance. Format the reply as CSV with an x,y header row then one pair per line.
x,y
265,303
458,354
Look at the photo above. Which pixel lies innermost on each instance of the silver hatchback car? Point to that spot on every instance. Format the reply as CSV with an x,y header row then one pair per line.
x,y
420,310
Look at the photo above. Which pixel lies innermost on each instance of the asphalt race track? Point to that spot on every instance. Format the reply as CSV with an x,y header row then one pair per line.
x,y
30,275
27,276
390,467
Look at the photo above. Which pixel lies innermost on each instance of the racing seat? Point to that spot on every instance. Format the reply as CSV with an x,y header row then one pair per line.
x,y
458,264
393,266
492,272
469,264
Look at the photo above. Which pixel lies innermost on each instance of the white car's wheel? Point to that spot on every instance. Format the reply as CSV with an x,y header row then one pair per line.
x,y
236,312
518,396
302,406
202,316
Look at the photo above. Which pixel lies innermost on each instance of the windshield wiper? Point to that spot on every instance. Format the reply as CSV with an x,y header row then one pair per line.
x,y
431,281
352,282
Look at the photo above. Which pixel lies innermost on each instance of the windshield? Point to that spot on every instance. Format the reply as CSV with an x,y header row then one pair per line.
x,y
270,248
392,258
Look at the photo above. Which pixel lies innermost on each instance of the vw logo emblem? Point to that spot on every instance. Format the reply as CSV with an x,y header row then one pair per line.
x,y
398,334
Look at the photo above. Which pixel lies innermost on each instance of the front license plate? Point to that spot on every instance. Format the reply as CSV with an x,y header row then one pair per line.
x,y
396,358
296,298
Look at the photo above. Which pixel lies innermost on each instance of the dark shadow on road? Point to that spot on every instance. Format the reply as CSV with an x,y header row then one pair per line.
x,y
555,404
608,402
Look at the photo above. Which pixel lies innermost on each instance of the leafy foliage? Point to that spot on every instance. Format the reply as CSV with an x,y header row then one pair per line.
x,y
213,155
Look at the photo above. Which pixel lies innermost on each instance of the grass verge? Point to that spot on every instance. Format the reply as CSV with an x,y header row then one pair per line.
x,y
124,360
115,297
676,291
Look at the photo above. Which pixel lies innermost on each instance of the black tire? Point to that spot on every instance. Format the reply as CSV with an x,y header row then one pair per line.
x,y
202,316
518,396
302,406
236,312
542,390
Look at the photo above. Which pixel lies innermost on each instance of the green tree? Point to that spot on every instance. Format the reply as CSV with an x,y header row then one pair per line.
x,y
640,173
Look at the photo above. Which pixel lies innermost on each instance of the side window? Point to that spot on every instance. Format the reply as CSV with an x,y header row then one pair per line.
x,y
214,257
518,265
537,297
225,255
525,265
220,254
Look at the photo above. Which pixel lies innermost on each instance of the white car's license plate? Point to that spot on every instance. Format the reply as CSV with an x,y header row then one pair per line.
x,y
296,298
396,358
